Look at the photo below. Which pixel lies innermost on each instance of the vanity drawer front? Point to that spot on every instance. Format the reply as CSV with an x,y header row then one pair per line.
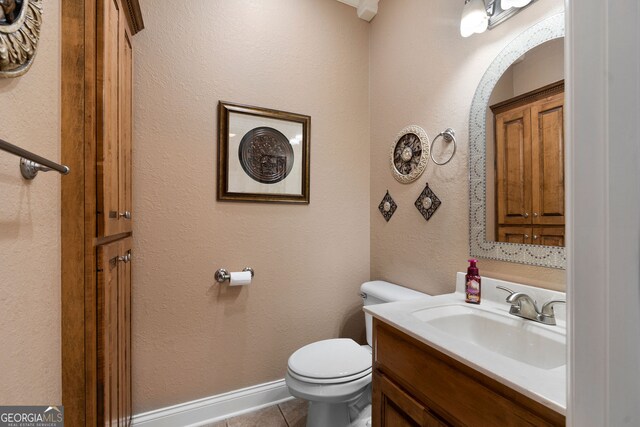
x,y
457,393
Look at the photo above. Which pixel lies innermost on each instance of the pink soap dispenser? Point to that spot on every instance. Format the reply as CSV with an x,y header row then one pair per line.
x,y
472,285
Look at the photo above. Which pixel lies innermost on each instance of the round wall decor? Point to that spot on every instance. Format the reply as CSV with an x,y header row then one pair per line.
x,y
266,155
409,154
20,23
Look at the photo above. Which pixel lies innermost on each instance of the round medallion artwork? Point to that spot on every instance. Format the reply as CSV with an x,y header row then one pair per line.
x,y
265,155
409,154
20,24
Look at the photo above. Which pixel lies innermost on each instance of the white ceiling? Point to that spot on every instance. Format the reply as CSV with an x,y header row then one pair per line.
x,y
367,9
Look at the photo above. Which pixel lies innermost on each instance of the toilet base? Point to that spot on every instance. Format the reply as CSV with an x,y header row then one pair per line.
x,y
341,414
322,414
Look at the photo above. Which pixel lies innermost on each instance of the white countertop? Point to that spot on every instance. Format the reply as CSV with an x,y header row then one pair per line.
x,y
546,386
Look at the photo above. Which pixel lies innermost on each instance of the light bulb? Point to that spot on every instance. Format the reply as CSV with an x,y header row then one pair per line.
x,y
474,18
482,26
508,4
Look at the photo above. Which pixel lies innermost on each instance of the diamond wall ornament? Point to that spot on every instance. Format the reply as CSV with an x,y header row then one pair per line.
x,y
387,206
427,203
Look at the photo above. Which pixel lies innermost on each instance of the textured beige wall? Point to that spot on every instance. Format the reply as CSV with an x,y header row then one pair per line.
x,y
30,229
192,338
423,72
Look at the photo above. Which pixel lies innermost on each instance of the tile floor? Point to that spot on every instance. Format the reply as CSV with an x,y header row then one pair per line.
x,y
292,413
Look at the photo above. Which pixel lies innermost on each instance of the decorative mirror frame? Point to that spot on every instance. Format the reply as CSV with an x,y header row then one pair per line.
x,y
19,40
545,256
424,155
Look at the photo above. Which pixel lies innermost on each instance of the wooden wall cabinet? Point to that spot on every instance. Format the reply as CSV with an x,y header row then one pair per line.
x,y
114,334
530,167
97,73
114,76
416,385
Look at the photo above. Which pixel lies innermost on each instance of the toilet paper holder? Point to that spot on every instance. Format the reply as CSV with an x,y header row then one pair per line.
x,y
223,275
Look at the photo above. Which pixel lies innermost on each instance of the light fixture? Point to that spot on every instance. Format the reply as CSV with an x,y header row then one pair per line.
x,y
508,4
478,15
474,18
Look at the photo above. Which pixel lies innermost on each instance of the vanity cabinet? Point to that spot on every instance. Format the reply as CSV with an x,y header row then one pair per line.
x,y
114,404
529,151
416,385
114,124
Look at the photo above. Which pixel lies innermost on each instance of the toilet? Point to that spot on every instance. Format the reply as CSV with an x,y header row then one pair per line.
x,y
335,375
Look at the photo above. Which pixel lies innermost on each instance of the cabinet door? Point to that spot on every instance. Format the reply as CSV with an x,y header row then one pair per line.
x,y
114,334
395,408
124,334
513,166
547,154
115,77
107,333
515,234
548,236
126,110
108,161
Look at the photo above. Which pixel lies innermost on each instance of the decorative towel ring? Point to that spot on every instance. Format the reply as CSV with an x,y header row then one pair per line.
x,y
448,135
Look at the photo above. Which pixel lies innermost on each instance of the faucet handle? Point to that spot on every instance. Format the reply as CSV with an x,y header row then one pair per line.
x,y
547,308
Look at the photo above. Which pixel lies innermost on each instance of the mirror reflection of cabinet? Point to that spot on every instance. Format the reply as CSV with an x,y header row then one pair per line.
x,y
529,169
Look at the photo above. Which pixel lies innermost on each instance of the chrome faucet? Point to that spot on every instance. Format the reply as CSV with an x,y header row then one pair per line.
x,y
522,305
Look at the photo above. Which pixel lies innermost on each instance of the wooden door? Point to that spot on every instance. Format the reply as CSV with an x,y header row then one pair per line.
x,y
513,166
108,77
107,334
515,234
548,236
125,142
124,333
395,408
547,158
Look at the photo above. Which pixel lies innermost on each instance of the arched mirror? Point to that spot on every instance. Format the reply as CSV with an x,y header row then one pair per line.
x,y
516,128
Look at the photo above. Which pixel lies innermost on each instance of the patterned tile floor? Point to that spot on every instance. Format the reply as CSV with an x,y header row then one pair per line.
x,y
292,413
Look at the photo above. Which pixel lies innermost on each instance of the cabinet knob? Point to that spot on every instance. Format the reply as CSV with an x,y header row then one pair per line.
x,y
526,215
535,214
125,215
535,237
125,258
526,236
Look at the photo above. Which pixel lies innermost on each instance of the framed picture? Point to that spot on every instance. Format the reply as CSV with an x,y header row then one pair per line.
x,y
263,154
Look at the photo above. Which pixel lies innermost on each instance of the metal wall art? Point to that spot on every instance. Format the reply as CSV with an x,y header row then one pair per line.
x,y
387,206
20,23
409,154
263,154
427,203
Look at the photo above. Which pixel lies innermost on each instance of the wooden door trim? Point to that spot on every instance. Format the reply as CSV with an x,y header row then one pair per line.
x,y
529,97
77,219
134,16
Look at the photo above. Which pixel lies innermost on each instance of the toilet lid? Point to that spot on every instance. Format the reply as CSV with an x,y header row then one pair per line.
x,y
336,358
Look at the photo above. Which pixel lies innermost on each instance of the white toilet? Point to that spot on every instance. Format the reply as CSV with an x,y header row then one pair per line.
x,y
335,375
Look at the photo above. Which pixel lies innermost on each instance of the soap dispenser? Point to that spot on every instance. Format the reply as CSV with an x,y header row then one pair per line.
x,y
472,284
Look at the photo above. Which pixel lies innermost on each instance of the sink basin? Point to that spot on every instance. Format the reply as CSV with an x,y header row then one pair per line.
x,y
509,336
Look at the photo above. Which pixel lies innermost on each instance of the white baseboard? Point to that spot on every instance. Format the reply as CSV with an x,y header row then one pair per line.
x,y
216,408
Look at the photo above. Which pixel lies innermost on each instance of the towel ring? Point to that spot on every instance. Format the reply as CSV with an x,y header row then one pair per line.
x,y
448,135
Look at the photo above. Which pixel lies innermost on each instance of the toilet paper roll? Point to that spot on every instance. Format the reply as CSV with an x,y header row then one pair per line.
x,y
240,278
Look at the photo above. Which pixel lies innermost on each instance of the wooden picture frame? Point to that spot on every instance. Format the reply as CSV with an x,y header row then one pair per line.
x,y
263,155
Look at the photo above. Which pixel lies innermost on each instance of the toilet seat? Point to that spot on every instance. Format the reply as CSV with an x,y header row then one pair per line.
x,y
330,362
337,380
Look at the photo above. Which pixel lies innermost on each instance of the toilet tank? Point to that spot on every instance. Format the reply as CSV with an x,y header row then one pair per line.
x,y
380,292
